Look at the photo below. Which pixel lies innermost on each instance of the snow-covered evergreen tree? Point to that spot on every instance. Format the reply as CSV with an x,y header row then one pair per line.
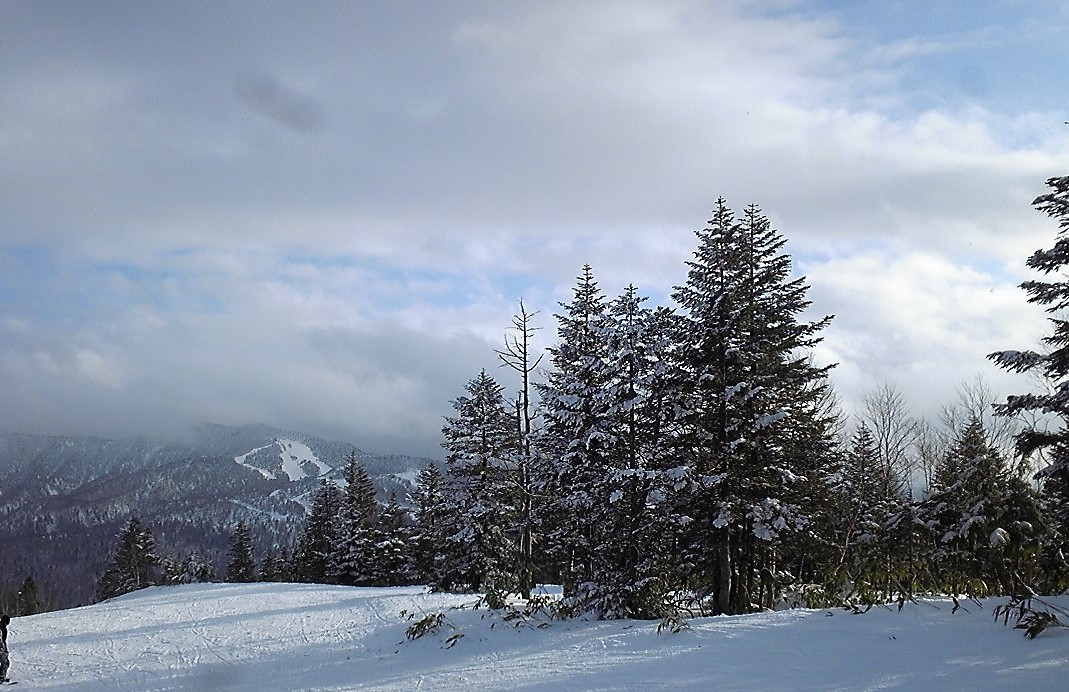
x,y
641,550
867,547
604,416
354,556
1053,365
428,534
811,440
640,344
241,568
188,569
480,500
983,520
313,557
392,565
133,564
275,566
577,437
745,388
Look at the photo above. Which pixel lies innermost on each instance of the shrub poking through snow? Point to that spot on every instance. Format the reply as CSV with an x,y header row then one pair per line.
x,y
1034,621
428,624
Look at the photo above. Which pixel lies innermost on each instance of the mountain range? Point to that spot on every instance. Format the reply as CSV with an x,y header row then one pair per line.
x,y
63,500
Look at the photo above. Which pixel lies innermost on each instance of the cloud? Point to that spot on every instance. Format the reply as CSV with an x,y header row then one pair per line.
x,y
921,320
186,239
286,107
378,383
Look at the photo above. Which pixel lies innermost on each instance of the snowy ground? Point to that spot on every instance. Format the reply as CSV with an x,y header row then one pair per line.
x,y
307,637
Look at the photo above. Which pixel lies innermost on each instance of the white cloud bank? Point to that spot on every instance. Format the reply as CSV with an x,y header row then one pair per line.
x,y
342,251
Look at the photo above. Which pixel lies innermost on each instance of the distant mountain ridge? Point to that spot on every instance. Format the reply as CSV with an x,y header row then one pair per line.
x,y
63,499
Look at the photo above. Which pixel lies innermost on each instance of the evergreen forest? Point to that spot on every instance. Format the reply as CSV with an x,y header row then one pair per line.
x,y
661,462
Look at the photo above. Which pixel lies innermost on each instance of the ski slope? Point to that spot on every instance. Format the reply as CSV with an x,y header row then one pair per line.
x,y
311,637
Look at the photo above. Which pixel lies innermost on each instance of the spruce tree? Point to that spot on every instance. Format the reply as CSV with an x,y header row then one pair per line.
x,y
133,564
983,520
354,554
480,441
28,601
640,550
241,568
867,548
639,343
1050,443
428,535
577,437
275,567
189,569
313,557
391,565
604,417
745,387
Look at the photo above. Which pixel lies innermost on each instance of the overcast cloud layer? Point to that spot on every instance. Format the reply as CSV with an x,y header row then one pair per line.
x,y
321,216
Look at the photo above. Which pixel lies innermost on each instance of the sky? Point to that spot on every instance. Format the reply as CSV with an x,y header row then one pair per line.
x,y
321,216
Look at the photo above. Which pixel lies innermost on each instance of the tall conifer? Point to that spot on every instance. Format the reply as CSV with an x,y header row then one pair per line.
x,y
354,556
1050,442
242,567
480,442
744,381
313,557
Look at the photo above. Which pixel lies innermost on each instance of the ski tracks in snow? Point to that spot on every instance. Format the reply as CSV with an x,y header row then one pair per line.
x,y
252,637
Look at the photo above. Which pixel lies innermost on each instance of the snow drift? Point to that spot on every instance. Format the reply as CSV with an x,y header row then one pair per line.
x,y
312,637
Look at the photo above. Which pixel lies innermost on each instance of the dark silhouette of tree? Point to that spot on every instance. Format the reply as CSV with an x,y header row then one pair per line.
x,y
428,535
133,565
315,551
1052,442
28,601
241,567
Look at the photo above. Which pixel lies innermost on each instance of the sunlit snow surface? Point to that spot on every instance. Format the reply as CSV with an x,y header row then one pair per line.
x,y
309,637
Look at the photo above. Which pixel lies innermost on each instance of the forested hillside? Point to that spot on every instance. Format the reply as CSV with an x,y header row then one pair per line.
x,y
64,501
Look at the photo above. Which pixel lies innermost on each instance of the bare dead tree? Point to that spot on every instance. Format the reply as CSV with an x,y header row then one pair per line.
x,y
517,356
893,429
976,400
930,446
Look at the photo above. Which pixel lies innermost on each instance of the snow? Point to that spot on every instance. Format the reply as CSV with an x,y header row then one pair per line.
x,y
263,472
769,419
274,516
295,455
304,501
408,477
312,637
